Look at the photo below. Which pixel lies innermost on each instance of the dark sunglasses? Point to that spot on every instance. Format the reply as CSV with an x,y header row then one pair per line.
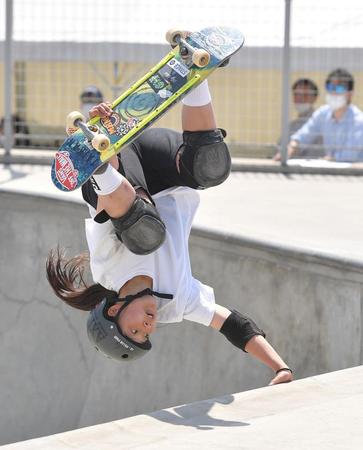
x,y
338,88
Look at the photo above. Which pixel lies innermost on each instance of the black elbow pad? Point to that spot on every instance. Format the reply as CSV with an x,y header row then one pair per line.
x,y
239,329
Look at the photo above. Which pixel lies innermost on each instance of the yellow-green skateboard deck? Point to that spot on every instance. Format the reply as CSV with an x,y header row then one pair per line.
x,y
143,103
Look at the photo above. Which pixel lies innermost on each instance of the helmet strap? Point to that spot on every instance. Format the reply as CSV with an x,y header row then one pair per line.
x,y
130,298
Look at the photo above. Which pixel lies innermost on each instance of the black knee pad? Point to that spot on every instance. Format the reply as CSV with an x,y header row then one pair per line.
x,y
239,329
141,228
204,159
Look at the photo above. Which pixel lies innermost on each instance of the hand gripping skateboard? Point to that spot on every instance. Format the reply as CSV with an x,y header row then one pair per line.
x,y
194,57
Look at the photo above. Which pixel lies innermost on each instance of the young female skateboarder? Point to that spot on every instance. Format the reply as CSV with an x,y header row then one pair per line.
x,y
142,205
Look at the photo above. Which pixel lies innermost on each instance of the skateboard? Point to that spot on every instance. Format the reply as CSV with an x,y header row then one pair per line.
x,y
194,56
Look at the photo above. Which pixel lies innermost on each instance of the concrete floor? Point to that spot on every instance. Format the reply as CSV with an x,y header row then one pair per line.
x,y
318,413
319,213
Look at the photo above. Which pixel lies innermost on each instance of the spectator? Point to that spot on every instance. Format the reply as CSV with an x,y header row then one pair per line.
x,y
304,93
339,122
19,127
90,97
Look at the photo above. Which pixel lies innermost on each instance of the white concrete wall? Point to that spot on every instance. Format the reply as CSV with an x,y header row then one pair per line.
x,y
52,380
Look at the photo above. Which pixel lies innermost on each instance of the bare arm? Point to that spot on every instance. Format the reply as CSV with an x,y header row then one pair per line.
x,y
118,202
257,347
292,148
197,111
198,118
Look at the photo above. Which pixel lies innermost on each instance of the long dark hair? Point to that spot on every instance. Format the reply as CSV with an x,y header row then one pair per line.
x,y
66,276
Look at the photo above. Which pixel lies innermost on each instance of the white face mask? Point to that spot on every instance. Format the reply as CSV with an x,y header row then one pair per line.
x,y
336,101
302,108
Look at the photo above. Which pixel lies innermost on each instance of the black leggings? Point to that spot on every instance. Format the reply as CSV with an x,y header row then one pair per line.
x,y
147,163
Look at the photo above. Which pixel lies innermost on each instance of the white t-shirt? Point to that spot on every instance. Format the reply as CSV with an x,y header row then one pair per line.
x,y
112,264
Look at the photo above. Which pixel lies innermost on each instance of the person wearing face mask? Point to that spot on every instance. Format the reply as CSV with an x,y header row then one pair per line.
x,y
304,94
90,97
338,122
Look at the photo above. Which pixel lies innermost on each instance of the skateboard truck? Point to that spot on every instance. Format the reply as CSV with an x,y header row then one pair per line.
x,y
190,54
76,121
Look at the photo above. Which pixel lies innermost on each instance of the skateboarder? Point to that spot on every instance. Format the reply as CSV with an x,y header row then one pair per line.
x,y
142,205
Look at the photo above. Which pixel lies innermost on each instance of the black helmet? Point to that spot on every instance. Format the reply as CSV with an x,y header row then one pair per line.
x,y
107,337
91,94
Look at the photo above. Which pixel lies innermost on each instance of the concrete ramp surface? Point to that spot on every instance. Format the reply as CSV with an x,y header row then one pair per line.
x,y
322,412
281,266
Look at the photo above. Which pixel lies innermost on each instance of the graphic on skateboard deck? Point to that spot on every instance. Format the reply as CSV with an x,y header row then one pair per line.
x,y
194,57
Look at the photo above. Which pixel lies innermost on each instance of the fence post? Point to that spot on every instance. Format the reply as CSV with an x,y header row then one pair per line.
x,y
285,85
8,73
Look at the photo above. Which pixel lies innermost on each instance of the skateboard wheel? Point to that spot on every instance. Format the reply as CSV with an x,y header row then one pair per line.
x,y
100,143
201,57
173,36
72,117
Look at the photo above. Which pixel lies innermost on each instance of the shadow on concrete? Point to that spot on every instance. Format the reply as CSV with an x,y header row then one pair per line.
x,y
196,415
14,174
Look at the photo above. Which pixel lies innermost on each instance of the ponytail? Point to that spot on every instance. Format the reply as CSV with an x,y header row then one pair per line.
x,y
66,277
